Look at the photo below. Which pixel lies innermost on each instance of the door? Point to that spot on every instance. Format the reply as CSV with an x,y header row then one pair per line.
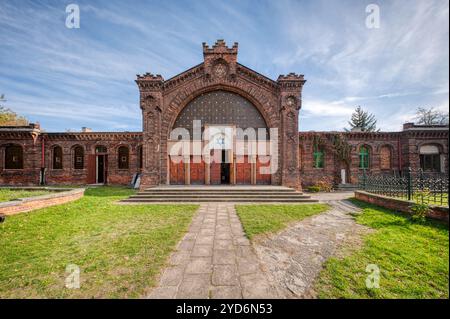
x,y
243,170
224,169
91,169
215,167
177,171
197,171
100,169
263,166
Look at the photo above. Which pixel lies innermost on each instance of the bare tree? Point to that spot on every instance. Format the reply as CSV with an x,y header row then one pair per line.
x,y
430,116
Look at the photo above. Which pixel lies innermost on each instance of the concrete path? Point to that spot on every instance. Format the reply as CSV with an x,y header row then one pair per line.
x,y
294,258
214,260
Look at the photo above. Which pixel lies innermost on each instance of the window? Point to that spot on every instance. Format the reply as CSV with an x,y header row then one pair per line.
x,y
385,157
13,157
364,157
78,157
123,157
430,158
57,157
100,149
318,157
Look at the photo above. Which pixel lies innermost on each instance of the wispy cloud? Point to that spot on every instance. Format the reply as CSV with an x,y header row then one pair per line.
x,y
86,76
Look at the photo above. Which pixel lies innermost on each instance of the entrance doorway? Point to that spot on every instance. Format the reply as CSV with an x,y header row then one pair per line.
x,y
97,166
101,169
224,169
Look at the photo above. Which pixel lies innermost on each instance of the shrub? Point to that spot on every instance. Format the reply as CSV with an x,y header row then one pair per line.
x,y
313,189
419,211
324,185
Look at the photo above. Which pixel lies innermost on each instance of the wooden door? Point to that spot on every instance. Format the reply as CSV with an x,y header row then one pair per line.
x,y
197,172
263,162
176,171
91,169
243,170
215,167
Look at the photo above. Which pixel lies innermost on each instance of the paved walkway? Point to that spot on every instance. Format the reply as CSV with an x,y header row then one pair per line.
x,y
214,260
294,258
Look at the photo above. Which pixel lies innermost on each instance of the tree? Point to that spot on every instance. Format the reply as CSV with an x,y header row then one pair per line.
x,y
430,116
8,117
363,121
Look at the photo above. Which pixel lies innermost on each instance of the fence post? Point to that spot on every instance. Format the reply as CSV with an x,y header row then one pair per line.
x,y
408,177
364,179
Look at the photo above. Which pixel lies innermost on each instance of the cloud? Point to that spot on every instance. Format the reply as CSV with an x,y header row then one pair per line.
x,y
48,71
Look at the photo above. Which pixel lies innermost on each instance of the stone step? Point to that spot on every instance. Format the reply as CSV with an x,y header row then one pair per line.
x,y
218,196
217,189
221,193
347,187
220,199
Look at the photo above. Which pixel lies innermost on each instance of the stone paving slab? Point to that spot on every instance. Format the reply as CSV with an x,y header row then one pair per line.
x,y
214,260
294,257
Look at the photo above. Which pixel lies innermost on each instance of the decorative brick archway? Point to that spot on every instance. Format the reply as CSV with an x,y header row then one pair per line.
x,y
161,102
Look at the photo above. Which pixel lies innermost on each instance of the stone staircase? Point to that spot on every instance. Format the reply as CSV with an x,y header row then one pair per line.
x,y
347,187
229,193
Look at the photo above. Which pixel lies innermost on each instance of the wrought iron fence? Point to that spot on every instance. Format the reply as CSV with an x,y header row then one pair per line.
x,y
416,186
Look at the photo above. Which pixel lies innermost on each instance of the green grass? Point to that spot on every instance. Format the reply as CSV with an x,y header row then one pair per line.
x,y
7,194
413,259
120,249
262,219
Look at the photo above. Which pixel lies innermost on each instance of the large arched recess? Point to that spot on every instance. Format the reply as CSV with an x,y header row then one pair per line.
x,y
220,107
170,117
263,99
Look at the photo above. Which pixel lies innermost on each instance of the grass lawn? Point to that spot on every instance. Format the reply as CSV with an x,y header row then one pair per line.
x,y
261,219
120,249
7,194
413,259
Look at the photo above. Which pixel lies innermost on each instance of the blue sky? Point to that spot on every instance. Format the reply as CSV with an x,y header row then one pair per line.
x,y
69,78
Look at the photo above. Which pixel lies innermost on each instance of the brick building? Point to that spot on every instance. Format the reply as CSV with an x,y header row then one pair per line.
x,y
226,97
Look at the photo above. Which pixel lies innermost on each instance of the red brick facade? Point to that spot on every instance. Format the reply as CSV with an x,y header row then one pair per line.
x,y
161,102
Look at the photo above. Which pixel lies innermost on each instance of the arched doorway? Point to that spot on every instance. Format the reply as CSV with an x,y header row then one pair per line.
x,y
226,123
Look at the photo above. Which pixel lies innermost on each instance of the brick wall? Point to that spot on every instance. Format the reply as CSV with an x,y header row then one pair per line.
x,y
439,213
32,203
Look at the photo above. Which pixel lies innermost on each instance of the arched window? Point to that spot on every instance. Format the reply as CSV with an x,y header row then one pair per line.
x,y
318,157
123,157
140,157
78,157
385,157
57,157
430,158
101,149
13,157
364,155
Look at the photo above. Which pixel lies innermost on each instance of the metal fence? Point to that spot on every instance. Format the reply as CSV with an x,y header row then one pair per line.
x,y
416,186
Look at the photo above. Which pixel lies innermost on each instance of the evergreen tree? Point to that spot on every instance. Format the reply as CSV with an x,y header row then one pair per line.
x,y
362,121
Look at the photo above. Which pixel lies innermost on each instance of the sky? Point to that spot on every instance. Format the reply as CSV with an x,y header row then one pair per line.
x,y
69,78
